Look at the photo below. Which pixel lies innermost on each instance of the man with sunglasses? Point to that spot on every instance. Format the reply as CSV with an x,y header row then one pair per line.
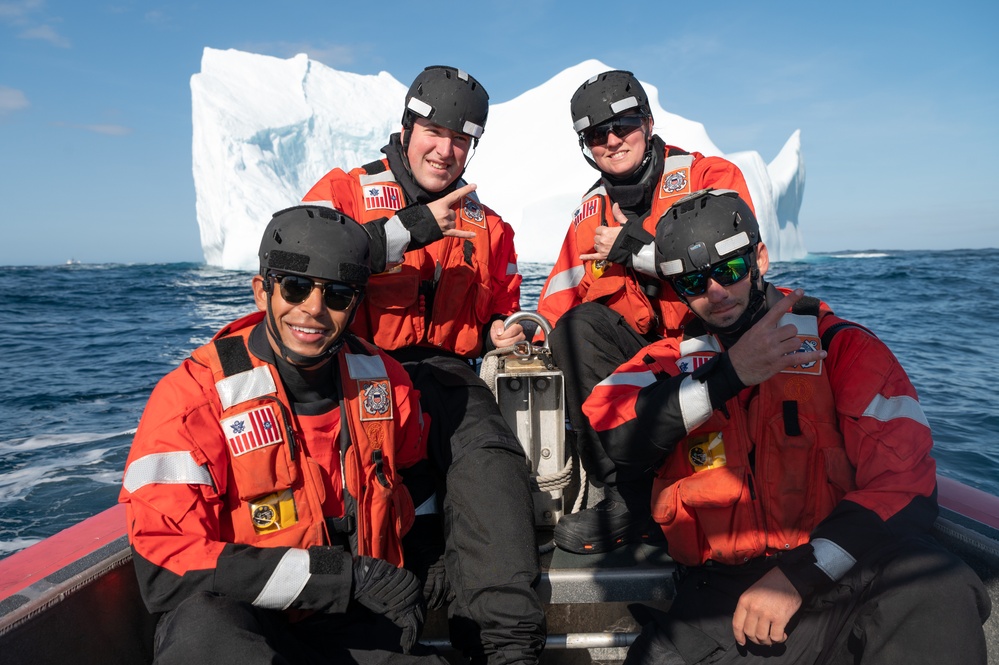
x,y
794,482
445,279
271,483
602,295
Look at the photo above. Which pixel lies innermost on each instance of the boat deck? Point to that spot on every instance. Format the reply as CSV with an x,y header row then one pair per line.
x,y
74,597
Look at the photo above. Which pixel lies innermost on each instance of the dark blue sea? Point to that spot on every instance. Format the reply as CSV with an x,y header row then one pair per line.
x,y
82,346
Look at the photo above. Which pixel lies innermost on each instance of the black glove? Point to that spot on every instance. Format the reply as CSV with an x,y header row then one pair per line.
x,y
392,592
437,589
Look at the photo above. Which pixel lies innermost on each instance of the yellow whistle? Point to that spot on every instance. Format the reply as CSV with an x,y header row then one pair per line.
x,y
598,268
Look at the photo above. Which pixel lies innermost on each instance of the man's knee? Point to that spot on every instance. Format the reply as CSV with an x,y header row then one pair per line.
x,y
203,628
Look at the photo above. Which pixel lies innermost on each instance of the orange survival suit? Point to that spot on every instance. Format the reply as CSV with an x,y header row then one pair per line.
x,y
442,294
816,453
224,481
619,286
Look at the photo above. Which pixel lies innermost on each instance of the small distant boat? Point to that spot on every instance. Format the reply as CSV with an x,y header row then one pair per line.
x,y
72,262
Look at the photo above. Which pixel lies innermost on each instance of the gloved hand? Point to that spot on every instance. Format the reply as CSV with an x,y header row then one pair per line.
x,y
392,592
437,589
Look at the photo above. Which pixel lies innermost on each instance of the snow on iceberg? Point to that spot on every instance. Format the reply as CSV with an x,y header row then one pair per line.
x,y
265,129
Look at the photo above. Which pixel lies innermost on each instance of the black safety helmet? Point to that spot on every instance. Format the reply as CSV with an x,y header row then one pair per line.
x,y
703,229
448,97
606,95
316,241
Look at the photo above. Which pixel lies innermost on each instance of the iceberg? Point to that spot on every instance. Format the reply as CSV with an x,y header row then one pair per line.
x,y
266,129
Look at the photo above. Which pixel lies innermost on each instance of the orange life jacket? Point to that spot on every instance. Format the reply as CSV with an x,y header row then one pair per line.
x,y
456,271
279,490
620,287
708,497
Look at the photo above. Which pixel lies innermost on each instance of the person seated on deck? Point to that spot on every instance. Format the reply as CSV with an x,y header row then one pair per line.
x,y
603,296
794,480
445,279
271,482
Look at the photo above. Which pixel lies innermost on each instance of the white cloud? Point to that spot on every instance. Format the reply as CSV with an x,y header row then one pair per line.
x,y
12,100
46,33
106,129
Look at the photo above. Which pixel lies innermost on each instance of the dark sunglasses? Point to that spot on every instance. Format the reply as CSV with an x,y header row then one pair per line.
x,y
726,273
620,126
296,289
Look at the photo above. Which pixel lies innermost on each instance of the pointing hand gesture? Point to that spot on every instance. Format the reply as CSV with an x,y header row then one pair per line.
x,y
768,347
445,216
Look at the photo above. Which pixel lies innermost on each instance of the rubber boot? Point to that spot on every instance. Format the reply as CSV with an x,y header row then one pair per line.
x,y
620,518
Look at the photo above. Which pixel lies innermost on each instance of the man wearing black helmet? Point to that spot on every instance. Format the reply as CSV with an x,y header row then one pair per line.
x,y
445,279
273,476
795,485
602,295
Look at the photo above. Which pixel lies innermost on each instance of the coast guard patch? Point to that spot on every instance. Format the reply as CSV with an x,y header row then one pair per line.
x,y
808,343
376,403
474,213
588,209
252,430
382,197
676,182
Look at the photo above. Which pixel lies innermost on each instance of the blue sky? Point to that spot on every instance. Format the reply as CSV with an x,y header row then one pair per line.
x,y
897,102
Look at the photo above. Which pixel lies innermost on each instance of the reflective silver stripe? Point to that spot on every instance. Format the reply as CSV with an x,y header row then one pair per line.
x,y
245,386
624,104
806,325
397,238
511,268
669,268
695,403
567,279
640,379
472,129
420,107
732,244
645,260
365,367
699,345
428,507
832,559
889,408
286,582
176,468
376,178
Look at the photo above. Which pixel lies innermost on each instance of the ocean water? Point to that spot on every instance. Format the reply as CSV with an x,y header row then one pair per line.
x,y
81,347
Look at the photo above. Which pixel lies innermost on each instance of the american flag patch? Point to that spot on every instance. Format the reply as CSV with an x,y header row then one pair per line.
x,y
688,364
382,196
251,430
588,209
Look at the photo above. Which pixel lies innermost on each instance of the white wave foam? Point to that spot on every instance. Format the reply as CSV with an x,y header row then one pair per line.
x,y
43,441
861,255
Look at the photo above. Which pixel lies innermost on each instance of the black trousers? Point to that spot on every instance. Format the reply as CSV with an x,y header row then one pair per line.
x,y
588,343
490,555
911,602
211,628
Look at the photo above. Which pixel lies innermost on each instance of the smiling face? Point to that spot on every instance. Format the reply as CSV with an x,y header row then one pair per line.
x,y
620,157
308,328
436,154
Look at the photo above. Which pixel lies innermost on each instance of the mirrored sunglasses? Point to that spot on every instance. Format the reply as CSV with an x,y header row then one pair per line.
x,y
726,273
